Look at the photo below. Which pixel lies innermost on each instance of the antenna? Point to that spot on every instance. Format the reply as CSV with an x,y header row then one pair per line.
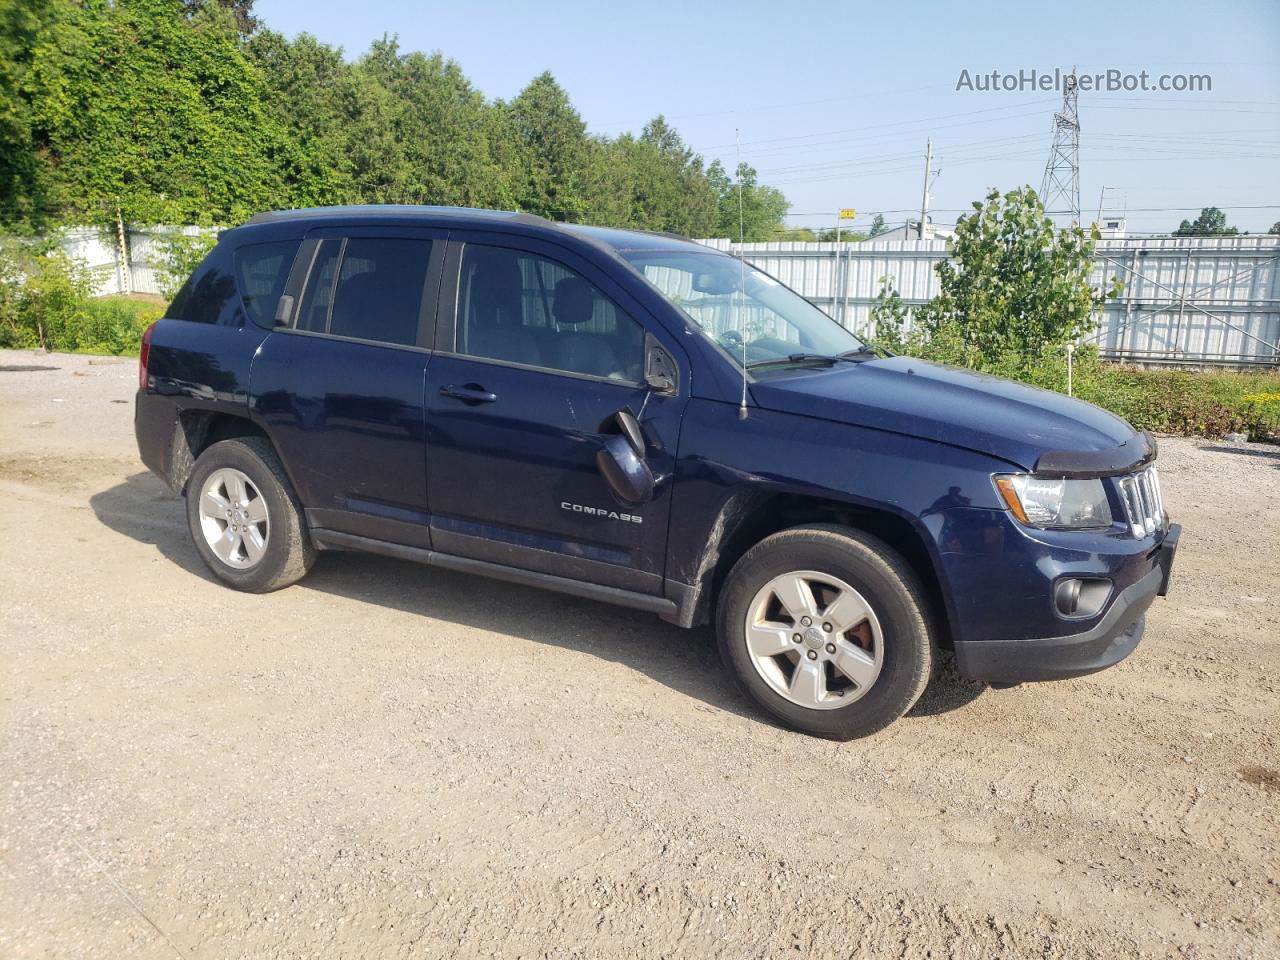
x,y
742,276
1060,189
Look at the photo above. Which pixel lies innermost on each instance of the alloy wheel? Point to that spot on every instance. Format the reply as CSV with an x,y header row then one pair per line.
x,y
814,639
234,518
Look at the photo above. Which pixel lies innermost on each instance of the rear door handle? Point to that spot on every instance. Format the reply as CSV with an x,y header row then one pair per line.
x,y
471,393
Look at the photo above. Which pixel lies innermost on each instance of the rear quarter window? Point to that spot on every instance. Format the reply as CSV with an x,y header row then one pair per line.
x,y
262,269
250,279
208,296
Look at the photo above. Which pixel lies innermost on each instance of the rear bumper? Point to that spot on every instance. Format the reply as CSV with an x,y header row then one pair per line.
x,y
1112,639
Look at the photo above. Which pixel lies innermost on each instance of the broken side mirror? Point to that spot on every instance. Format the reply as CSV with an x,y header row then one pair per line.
x,y
660,372
628,476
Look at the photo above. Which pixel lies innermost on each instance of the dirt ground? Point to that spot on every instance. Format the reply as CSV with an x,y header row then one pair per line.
x,y
391,761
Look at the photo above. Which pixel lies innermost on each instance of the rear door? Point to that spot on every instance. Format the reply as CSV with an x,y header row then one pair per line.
x,y
339,384
537,351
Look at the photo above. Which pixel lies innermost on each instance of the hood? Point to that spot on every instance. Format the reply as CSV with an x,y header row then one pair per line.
x,y
1012,421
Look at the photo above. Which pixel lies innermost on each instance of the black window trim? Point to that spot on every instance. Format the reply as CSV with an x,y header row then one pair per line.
x,y
304,267
451,300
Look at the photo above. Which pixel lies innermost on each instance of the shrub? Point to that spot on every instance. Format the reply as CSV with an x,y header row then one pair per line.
x,y
1015,288
1179,402
46,302
178,255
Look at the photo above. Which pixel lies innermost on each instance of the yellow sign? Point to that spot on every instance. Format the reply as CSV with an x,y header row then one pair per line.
x,y
847,213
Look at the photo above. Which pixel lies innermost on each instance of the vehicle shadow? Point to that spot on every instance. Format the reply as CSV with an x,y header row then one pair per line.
x,y
143,508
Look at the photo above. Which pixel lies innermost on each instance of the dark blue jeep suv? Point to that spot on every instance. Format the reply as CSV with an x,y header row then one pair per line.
x,y
638,419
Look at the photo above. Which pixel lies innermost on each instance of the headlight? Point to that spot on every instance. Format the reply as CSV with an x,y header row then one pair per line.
x,y
1053,501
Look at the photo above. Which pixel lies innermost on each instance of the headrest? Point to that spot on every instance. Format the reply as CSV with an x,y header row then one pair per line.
x,y
574,302
496,286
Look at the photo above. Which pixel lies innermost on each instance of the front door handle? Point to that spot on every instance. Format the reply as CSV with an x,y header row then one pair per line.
x,y
471,393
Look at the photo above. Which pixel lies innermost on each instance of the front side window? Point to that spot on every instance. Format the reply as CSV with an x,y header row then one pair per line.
x,y
752,316
523,308
369,288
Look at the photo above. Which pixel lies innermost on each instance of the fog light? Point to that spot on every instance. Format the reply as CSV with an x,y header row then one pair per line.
x,y
1079,598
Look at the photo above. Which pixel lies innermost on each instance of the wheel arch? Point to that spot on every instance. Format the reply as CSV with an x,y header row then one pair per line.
x,y
197,429
747,519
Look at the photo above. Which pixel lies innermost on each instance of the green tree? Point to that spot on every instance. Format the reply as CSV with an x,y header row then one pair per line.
x,y
652,182
26,178
241,11
755,214
846,235
553,155
308,93
187,111
888,317
144,110
796,234
1014,288
1275,228
1211,222
877,226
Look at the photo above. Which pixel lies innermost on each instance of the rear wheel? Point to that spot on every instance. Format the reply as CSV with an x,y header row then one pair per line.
x,y
827,629
246,523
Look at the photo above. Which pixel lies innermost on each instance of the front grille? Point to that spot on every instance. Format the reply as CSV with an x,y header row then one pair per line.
x,y
1143,506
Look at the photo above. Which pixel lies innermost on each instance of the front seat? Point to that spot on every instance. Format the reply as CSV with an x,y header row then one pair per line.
x,y
494,318
590,353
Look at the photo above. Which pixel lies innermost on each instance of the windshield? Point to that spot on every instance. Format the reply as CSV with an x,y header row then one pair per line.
x,y
748,313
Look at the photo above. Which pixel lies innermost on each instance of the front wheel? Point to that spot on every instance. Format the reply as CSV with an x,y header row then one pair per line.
x,y
827,629
247,525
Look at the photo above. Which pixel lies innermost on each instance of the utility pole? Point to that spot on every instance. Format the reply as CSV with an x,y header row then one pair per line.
x,y
924,199
1060,188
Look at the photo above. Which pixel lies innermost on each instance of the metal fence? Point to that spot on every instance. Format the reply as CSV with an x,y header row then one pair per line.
x,y
1184,300
1200,300
140,271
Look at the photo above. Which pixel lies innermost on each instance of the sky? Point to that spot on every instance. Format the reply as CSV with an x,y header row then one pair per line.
x,y
833,102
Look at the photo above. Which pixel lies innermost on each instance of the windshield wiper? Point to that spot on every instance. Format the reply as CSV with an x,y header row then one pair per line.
x,y
849,356
860,352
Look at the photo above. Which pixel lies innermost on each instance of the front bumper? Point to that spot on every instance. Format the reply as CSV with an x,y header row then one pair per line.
x,y
1114,637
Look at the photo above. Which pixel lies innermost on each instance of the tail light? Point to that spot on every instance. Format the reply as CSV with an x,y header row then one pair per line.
x,y
144,357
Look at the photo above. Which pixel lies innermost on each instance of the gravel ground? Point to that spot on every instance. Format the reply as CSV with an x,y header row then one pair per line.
x,y
391,761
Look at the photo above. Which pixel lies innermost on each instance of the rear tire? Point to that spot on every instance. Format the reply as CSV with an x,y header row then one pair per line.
x,y
245,521
863,657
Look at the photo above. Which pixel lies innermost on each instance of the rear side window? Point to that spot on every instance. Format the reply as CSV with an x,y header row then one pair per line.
x,y
369,288
262,270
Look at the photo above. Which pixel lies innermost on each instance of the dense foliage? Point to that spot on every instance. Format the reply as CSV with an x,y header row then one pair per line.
x,y
46,302
164,111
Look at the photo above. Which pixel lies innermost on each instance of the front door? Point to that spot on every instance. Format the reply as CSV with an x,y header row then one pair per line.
x,y
339,387
537,351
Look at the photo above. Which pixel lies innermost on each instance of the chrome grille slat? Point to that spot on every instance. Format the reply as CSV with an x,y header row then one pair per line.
x,y
1143,504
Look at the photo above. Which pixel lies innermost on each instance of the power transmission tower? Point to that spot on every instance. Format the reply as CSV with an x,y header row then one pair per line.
x,y
1060,188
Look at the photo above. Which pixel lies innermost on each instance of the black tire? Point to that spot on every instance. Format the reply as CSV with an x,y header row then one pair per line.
x,y
288,553
884,580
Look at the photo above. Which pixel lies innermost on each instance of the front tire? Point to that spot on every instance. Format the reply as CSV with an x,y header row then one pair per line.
x,y
244,518
827,629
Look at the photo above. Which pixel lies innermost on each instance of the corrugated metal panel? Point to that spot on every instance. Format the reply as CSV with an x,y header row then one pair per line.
x,y
1205,299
